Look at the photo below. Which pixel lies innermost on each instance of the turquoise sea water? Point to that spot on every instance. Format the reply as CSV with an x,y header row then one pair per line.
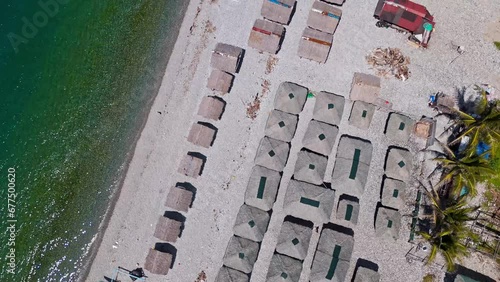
x,y
76,81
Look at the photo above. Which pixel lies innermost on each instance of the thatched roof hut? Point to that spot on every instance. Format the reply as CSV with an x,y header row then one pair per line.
x,y
324,17
272,154
226,57
241,254
352,165
278,11
266,36
158,262
399,127
167,229
331,260
227,274
309,202
320,137
191,166
393,193
328,108
262,188
326,267
251,223
201,135
290,98
281,125
329,239
315,45
211,107
361,114
179,199
364,274
293,240
310,167
220,81
348,210
284,269
399,164
365,87
387,223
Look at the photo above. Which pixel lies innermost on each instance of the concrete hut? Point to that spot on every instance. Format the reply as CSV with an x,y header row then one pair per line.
x,y
251,223
348,210
241,254
220,81
331,261
158,262
293,240
324,17
361,114
201,135
290,98
279,11
179,199
364,274
315,45
262,188
398,164
168,229
191,166
393,193
399,127
328,108
266,36
310,167
387,223
281,125
211,107
352,164
272,154
365,87
309,202
227,274
284,269
320,137
226,57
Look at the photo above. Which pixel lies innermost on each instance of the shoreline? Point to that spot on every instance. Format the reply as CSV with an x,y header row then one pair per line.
x,y
115,196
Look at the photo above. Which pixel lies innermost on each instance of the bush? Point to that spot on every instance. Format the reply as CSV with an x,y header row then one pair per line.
x,y
428,278
497,44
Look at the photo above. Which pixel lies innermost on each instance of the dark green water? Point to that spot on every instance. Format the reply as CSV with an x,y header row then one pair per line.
x,y
75,90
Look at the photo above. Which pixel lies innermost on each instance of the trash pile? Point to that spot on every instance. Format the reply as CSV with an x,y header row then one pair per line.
x,y
389,61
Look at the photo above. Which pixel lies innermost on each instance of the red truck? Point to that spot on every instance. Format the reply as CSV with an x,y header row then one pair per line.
x,y
408,16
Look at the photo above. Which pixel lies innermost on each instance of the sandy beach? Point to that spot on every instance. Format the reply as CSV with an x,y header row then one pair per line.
x,y
221,187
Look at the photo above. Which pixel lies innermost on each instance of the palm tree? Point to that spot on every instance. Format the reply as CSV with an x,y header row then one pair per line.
x,y
483,125
450,231
462,172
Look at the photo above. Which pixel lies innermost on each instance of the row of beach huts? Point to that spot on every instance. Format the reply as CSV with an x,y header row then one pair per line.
x,y
225,63
268,34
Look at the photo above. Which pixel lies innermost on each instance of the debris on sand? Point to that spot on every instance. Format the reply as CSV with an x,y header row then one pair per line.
x,y
209,27
389,61
202,277
265,87
271,62
253,107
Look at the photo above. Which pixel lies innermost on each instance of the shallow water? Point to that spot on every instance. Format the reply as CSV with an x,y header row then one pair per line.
x,y
76,80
